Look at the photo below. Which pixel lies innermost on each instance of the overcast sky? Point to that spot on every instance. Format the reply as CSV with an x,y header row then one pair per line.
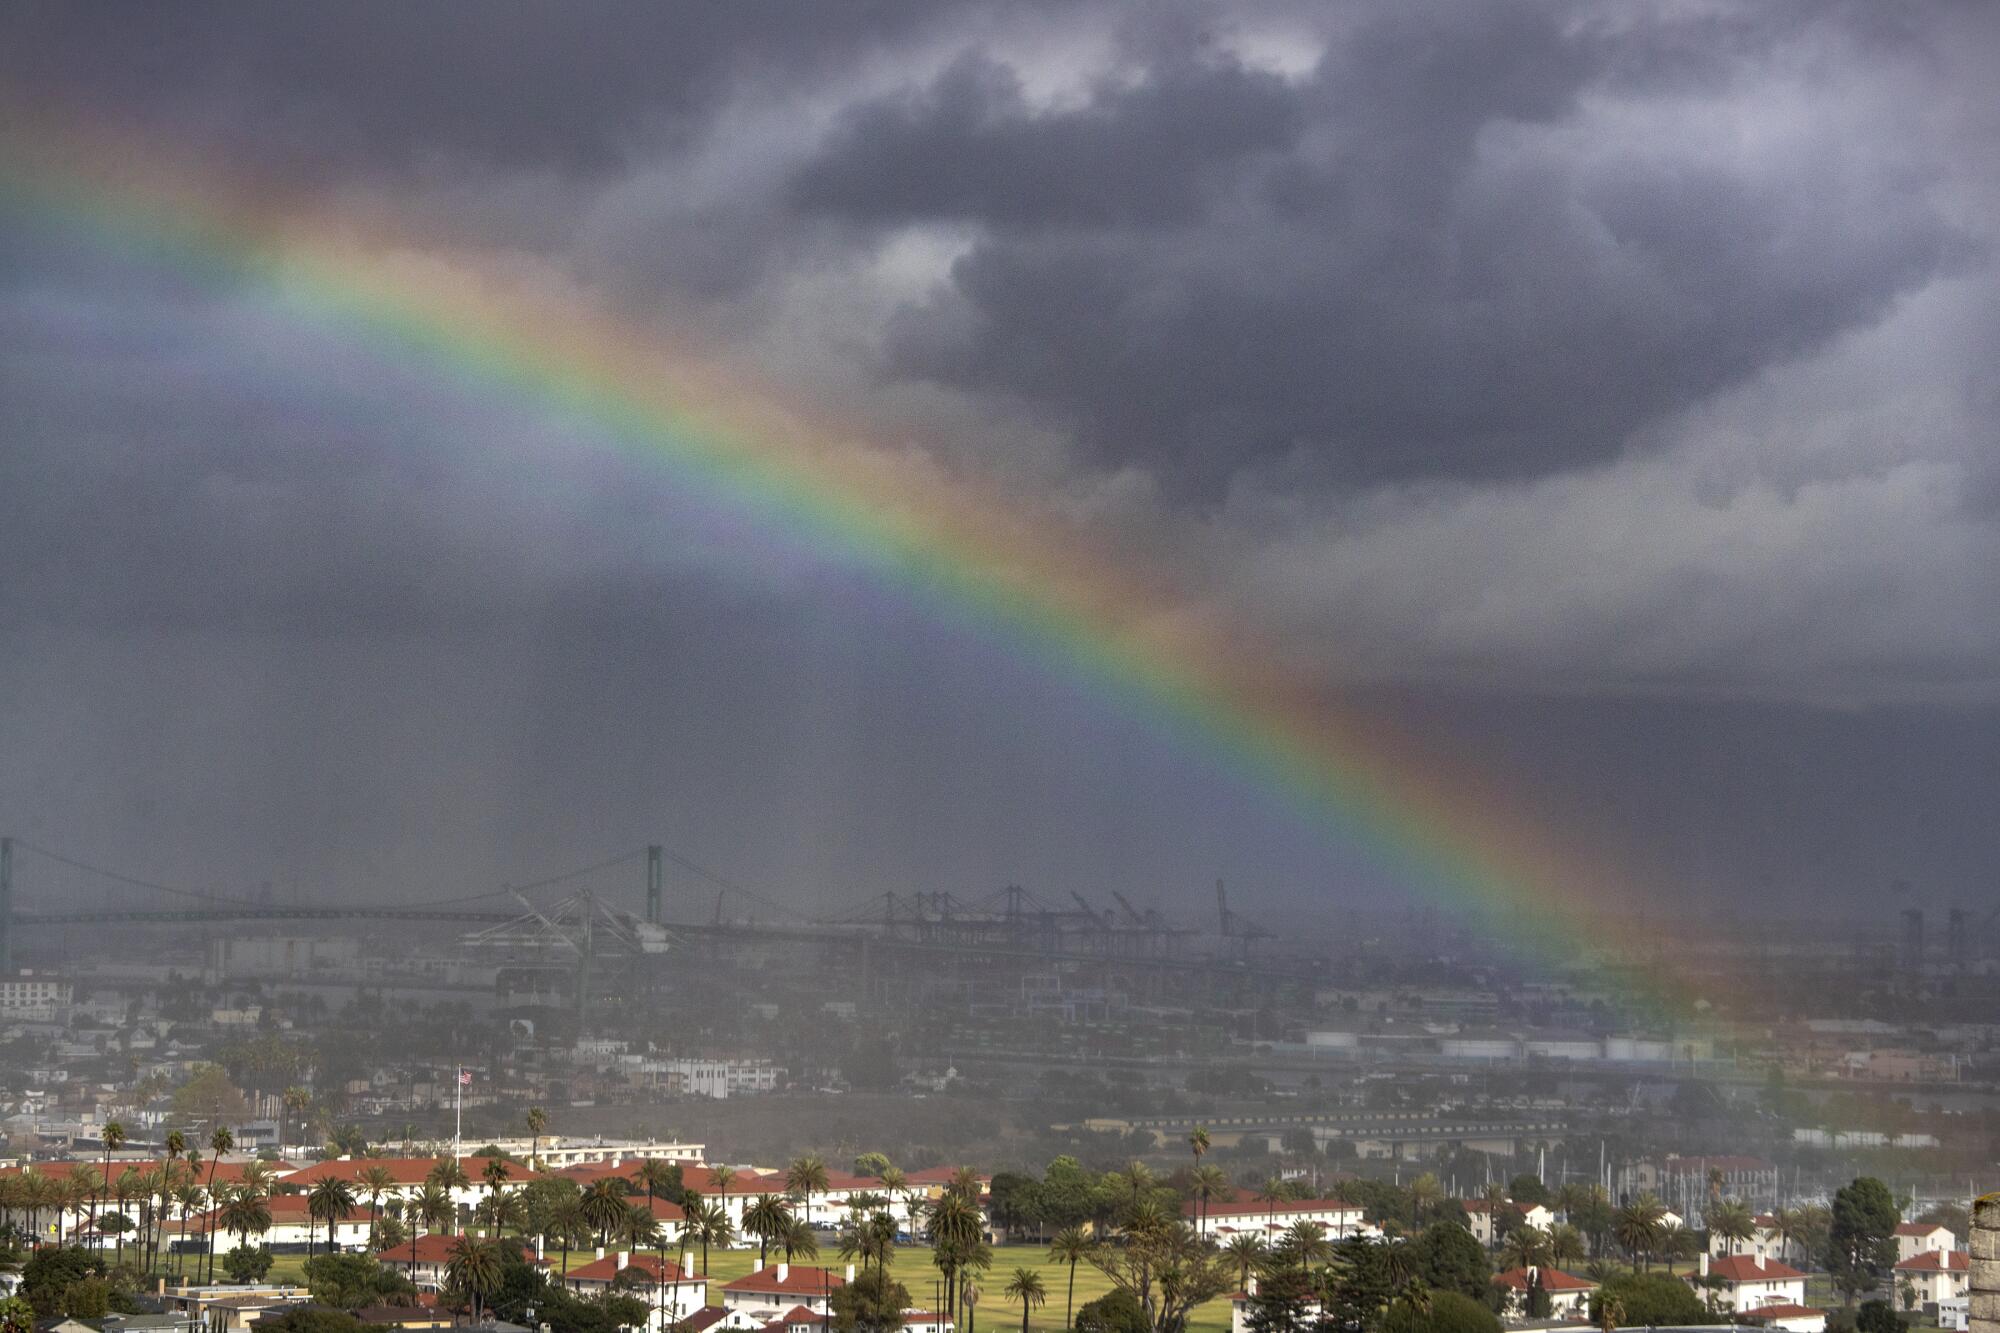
x,y
1607,392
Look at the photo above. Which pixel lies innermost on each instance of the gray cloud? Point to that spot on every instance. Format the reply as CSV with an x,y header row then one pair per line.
x,y
1480,354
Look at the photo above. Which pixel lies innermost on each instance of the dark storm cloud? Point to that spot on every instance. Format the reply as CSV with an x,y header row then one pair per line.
x,y
391,87
1399,265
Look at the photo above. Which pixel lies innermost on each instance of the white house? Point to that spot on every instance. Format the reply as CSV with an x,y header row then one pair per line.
x,y
1937,1275
1479,1214
1268,1217
673,1293
1790,1318
1241,1307
1914,1238
1763,1242
1746,1284
782,1286
1568,1294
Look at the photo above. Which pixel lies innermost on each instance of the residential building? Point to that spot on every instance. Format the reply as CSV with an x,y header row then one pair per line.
x,y
1936,1275
1915,1238
673,1293
1488,1225
1265,1217
1745,1283
781,1286
1569,1295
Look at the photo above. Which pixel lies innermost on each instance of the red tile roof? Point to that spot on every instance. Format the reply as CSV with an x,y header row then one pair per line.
x,y
797,1281
1747,1268
705,1316
603,1270
1553,1279
1223,1208
1936,1261
1779,1312
798,1314
403,1170
433,1247
1919,1228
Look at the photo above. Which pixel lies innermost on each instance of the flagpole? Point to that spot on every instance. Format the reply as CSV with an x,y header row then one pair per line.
x,y
458,1122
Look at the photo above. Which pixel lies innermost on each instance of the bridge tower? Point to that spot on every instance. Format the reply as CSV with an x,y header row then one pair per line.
x,y
656,881
6,906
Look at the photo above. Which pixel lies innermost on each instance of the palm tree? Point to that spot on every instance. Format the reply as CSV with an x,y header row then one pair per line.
x,y
538,1120
805,1177
1636,1227
603,1206
1525,1247
1198,1144
113,1139
1026,1287
1416,1297
1677,1242
329,1200
765,1219
220,1142
1610,1312
123,1191
503,1213
957,1232
722,1176
248,1210
1426,1192
1072,1245
798,1239
1731,1221
495,1174
189,1195
292,1104
1565,1244
448,1174
638,1228
568,1220
1245,1250
1207,1182
896,1184
376,1179
716,1228
150,1187
429,1207
474,1268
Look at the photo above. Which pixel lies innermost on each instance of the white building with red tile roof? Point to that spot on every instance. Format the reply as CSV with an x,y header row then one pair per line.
x,y
1483,1216
1746,1283
782,1285
1269,1217
1914,1238
1568,1293
293,1228
1790,1318
1937,1275
673,1292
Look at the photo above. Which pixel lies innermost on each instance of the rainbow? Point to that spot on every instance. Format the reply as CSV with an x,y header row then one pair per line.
x,y
962,548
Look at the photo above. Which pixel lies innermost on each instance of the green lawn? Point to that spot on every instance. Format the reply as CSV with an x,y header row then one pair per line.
x,y
913,1269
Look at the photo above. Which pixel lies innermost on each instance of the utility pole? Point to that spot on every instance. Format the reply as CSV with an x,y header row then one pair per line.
x,y
6,905
655,882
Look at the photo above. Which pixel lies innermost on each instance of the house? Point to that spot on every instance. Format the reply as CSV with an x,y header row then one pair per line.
x,y
1763,1242
673,1293
293,1228
1568,1293
927,1321
407,1176
1224,1218
1746,1284
405,1316
1914,1238
1480,1215
1790,1318
1243,1304
781,1286
1936,1275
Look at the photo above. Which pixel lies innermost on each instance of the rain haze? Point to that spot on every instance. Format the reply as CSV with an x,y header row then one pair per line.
x,y
1604,394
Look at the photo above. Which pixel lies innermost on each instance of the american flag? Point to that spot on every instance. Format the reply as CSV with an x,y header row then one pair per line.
x,y
464,1077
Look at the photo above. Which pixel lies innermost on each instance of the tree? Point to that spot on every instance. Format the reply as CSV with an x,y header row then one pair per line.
x,y
604,1207
208,1097
113,1138
1636,1228
1198,1144
1071,1246
1525,1247
246,1211
1877,1317
1283,1300
310,1319
473,1269
219,1142
765,1219
805,1177
1244,1249
1026,1287
1732,1221
330,1200
376,1179
872,1303
538,1120
245,1264
1653,1299
16,1316
1168,1271
1114,1312
1860,1243
1449,1312
1447,1258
